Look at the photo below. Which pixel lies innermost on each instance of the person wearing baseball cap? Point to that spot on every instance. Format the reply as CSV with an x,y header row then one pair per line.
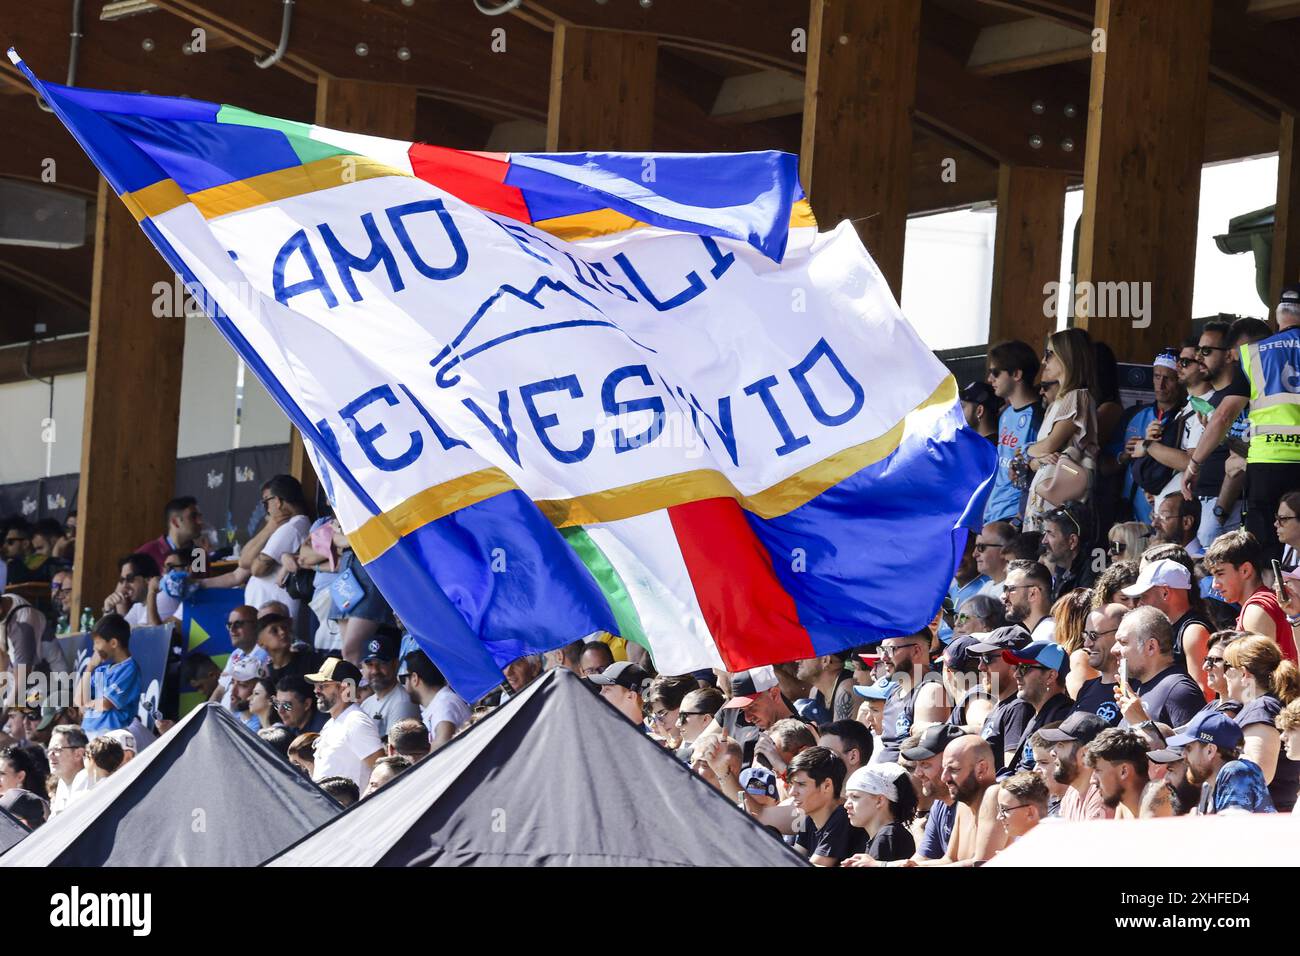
x,y
349,743
623,685
1082,797
387,703
972,703
981,406
1041,669
1212,745
1005,725
754,704
1166,583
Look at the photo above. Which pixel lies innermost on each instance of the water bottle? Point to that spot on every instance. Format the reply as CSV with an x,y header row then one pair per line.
x,y
87,620
64,624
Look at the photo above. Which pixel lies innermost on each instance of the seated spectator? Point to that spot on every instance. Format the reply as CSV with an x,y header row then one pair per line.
x,y
387,703
261,705
295,702
759,788
850,741
128,598
386,770
1168,583
360,607
596,656
1065,550
244,679
1177,520
1127,540
880,801
283,656
971,702
279,737
109,691
979,615
782,742
441,709
695,713
302,752
1027,598
1005,726
201,672
1025,546
24,767
969,776
1070,614
1022,804
1264,683
664,699
1212,749
1110,584
67,754
1118,759
871,712
1045,767
967,581
1097,696
127,741
926,756
1041,670
61,600
1159,799
1216,676
1236,561
343,789
241,625
104,756
26,807
408,738
991,559
570,656
1082,798
1166,694
816,777
183,531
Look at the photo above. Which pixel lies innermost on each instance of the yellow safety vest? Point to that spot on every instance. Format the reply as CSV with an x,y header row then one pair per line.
x,y
1273,367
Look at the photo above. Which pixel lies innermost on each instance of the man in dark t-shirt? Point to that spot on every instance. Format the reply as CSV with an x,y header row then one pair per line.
x,y
816,778
1005,725
1163,693
1097,696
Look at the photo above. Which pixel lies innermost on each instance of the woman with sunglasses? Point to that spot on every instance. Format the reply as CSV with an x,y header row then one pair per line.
x,y
978,615
693,716
1265,683
1070,612
1070,424
1128,540
1213,666
1287,524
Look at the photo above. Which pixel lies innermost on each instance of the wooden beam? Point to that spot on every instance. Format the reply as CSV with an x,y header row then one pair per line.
x,y
20,363
1142,172
602,90
133,397
1026,252
1026,45
1284,264
857,122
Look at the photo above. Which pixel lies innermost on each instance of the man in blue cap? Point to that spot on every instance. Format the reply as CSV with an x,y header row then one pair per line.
x,y
1212,745
1041,669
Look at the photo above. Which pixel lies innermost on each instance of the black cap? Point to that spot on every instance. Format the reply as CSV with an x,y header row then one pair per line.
x,y
1080,726
382,647
266,620
978,393
933,741
1010,637
624,674
25,805
957,654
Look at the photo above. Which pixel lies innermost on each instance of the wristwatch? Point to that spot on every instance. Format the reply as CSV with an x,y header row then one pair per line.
x,y
1147,725
1219,512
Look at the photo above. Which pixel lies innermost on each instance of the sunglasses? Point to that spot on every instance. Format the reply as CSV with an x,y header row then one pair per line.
x,y
986,659
1187,363
1204,350
266,502
1090,636
995,372
1065,513
1283,519
1211,662
683,714
1023,669
235,625
282,707
984,546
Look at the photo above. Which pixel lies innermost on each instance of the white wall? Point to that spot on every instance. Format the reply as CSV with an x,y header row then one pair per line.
x,y
948,277
206,422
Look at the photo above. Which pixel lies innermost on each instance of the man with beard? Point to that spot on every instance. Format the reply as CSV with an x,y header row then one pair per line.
x,y
243,680
441,709
919,700
755,704
972,782
1064,552
1212,750
831,687
386,704
1027,597
927,760
1041,669
1005,726
1118,759
1097,695
348,745
1082,798
296,704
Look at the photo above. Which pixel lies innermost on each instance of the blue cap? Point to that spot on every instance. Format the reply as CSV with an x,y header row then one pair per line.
x,y
1047,654
758,781
880,690
1210,728
957,654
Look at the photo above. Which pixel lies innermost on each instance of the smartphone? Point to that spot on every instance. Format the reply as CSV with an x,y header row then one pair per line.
x,y
1123,674
1279,588
1200,405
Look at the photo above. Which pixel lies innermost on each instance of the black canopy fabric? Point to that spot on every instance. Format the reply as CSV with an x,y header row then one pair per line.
x,y
207,793
11,830
556,777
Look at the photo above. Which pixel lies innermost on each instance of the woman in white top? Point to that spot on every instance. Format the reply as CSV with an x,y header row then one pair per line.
x,y
1070,423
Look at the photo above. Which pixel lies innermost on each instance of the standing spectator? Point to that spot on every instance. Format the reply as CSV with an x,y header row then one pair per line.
x,y
1176,521
1264,683
184,530
1166,584
26,640
1236,559
991,557
1219,495
296,704
879,800
596,656
1064,551
1009,720
1041,669
1012,367
67,755
1082,798
1212,750
348,744
981,407
832,686
360,606
408,738
1022,804
826,837
1119,762
109,692
21,562
1069,425
1027,597
1166,694
387,703
441,709
1168,386
1097,696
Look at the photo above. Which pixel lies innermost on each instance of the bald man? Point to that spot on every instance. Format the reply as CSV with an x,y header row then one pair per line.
x,y
970,774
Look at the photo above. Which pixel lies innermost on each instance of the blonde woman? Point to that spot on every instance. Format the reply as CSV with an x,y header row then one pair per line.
x,y
1070,612
1070,423
1257,675
1128,540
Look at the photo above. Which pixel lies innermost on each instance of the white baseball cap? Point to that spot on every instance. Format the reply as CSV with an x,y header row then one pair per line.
x,y
1165,573
124,738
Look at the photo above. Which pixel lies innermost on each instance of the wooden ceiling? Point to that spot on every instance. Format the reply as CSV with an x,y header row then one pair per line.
x,y
728,79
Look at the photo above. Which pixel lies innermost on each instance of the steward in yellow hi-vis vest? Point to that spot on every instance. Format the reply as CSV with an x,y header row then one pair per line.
x,y
1271,366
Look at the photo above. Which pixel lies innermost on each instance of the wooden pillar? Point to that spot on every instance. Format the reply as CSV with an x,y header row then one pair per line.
x,y
856,153
602,90
1026,252
1142,173
133,401
357,106
1284,265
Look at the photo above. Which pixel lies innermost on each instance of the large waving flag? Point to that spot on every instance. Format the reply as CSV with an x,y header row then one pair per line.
x,y
556,394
